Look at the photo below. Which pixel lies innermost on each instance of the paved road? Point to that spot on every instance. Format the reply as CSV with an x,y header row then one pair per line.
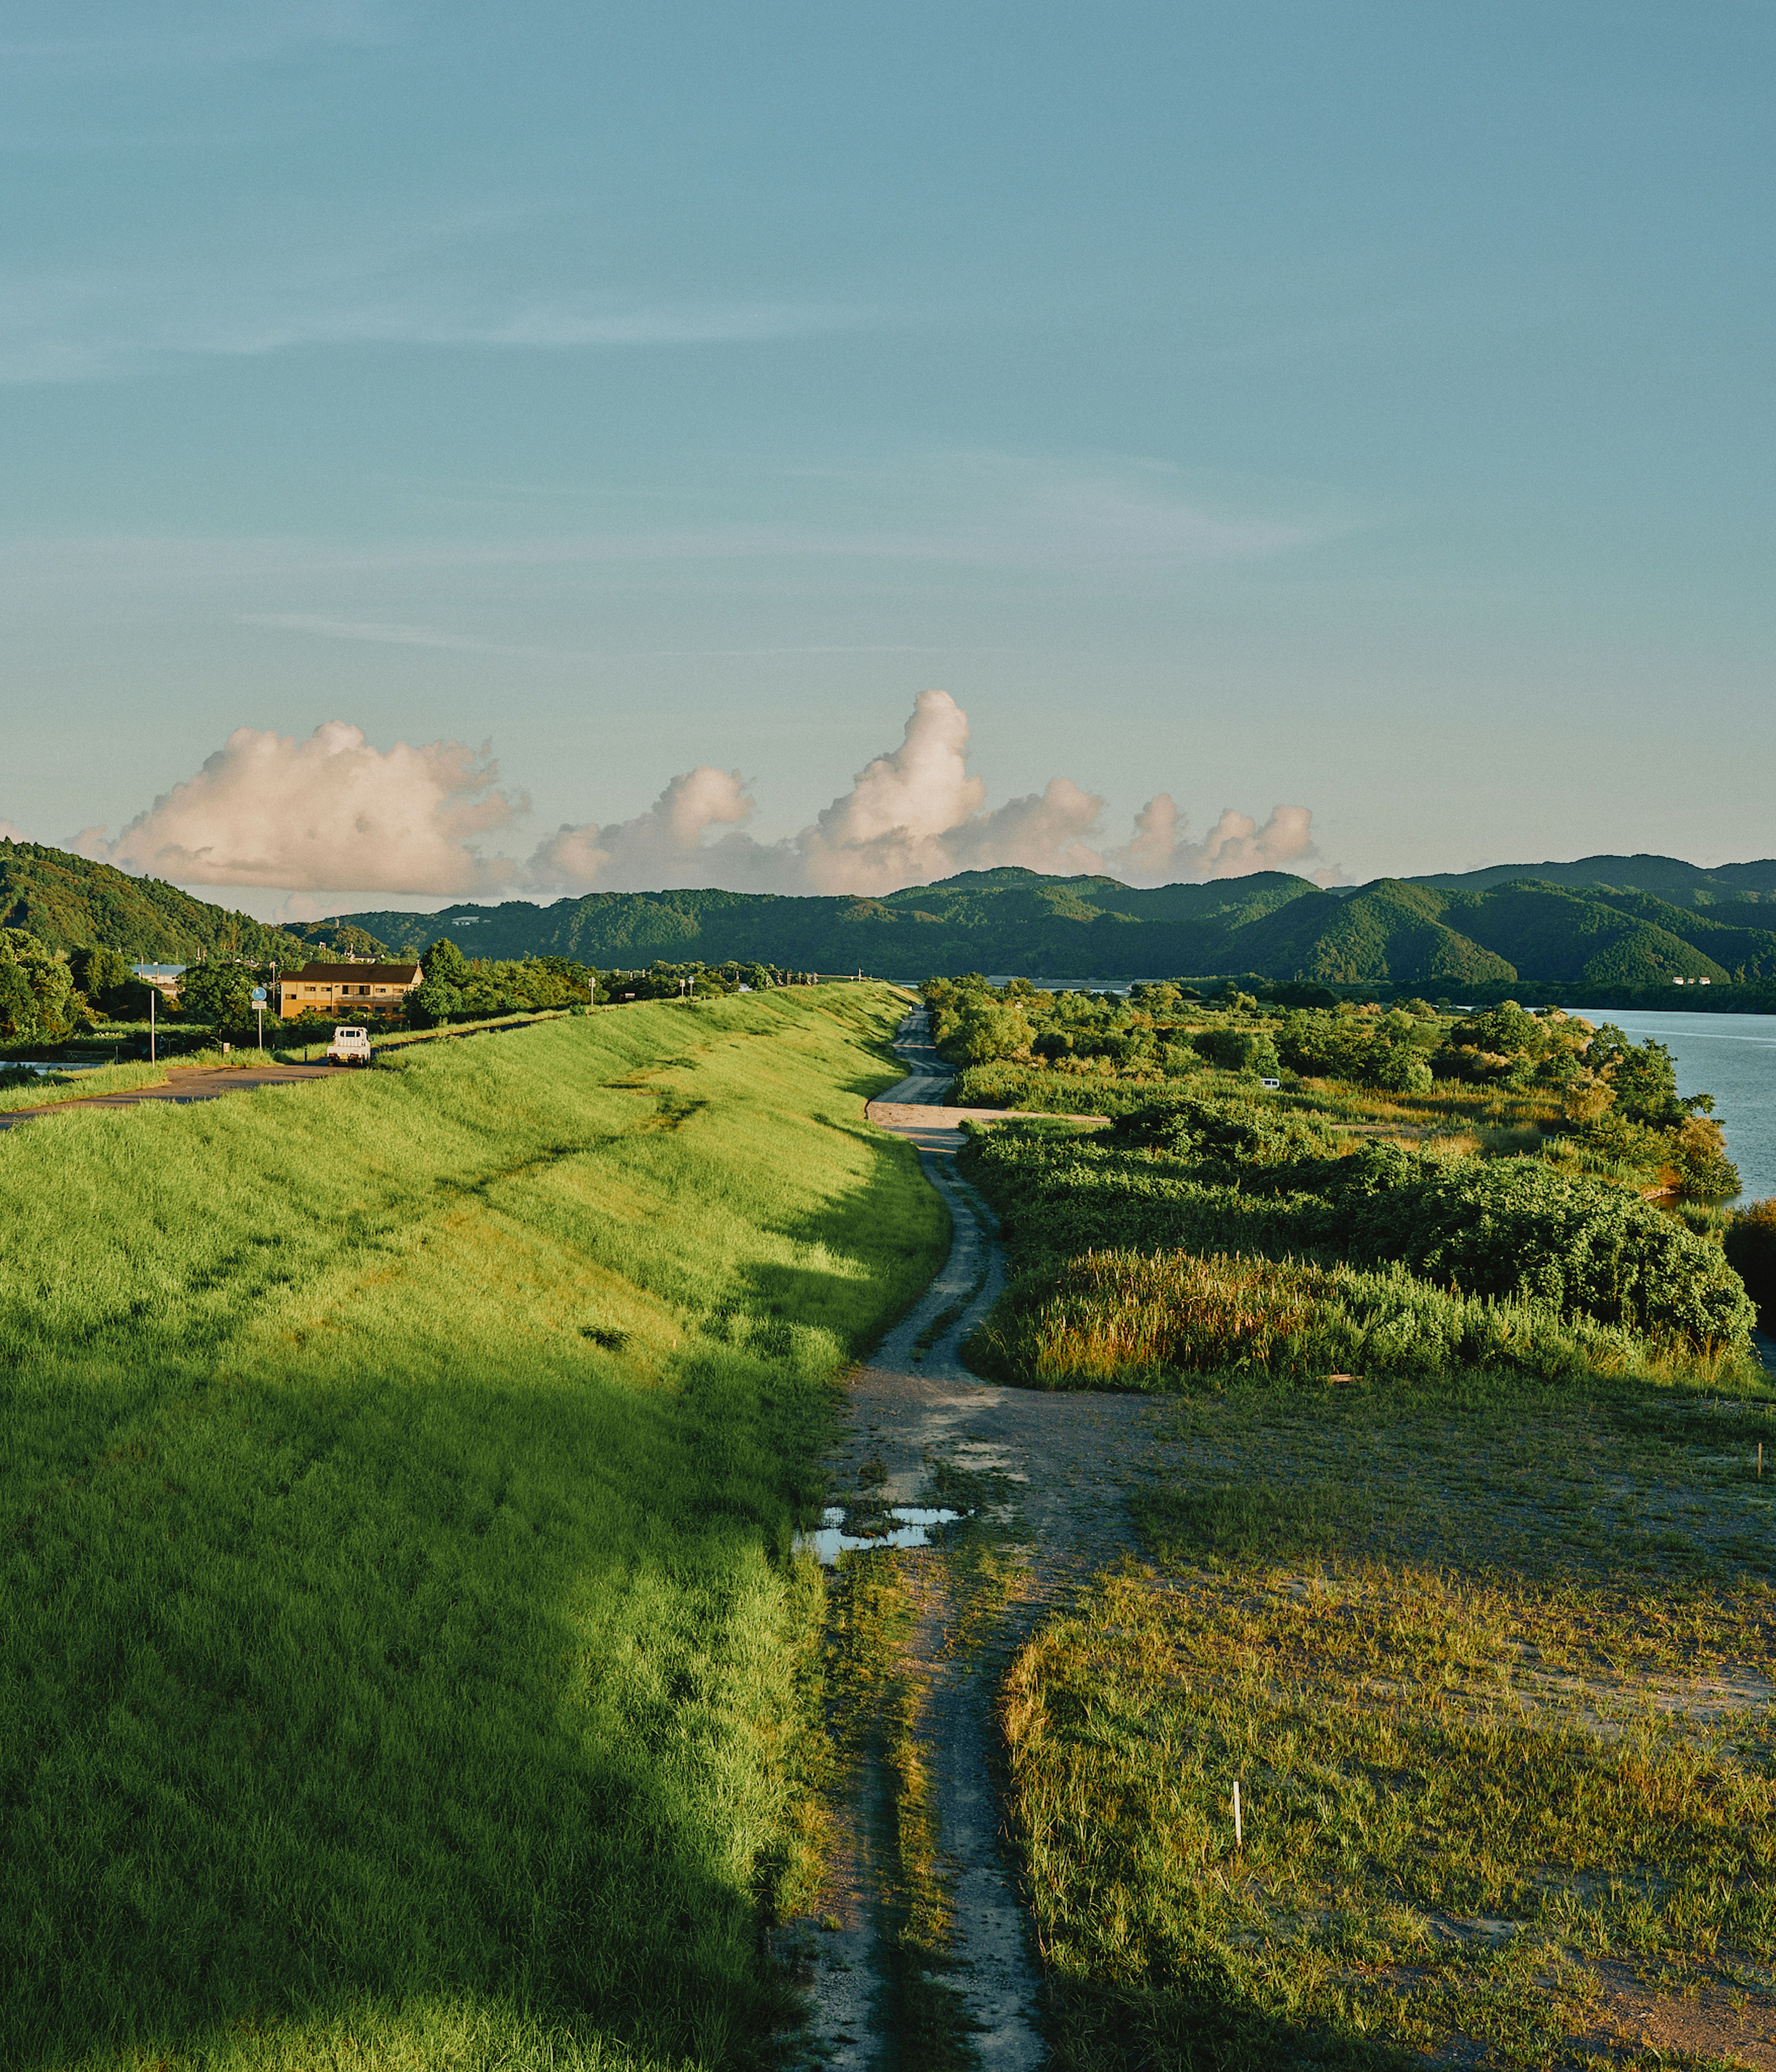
x,y
184,1083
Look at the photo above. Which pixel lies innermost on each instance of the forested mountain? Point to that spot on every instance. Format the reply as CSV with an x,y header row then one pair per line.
x,y
67,902
1447,935
1666,876
1271,924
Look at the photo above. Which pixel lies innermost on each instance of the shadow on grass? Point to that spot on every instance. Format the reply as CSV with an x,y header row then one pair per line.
x,y
334,1688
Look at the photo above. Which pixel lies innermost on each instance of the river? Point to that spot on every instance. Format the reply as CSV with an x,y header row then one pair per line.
x,y
1731,1056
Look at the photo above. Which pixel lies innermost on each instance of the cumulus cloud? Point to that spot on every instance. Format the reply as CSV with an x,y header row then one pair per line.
x,y
1159,851
655,847
334,813
329,813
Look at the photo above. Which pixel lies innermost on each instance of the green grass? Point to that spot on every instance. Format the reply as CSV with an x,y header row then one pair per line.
x,y
402,1663
1493,1672
55,1089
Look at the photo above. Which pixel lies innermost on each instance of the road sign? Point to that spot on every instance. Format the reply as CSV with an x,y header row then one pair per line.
x,y
258,995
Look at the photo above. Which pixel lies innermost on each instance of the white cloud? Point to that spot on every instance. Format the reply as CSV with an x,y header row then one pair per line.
x,y
333,814
656,848
1160,852
10,831
329,813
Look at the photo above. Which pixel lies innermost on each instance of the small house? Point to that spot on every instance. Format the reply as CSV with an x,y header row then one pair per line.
x,y
352,991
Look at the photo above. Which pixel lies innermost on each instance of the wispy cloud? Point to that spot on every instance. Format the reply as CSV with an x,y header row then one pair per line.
x,y
194,38
1094,523
82,325
382,634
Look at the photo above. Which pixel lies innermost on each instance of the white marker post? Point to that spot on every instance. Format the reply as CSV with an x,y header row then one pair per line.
x,y
1238,1826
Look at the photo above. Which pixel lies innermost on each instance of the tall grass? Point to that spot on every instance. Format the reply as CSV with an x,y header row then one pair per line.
x,y
399,1660
1123,1319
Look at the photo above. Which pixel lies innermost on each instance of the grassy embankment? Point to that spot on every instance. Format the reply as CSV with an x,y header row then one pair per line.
x,y
1471,1600
20,1090
402,1668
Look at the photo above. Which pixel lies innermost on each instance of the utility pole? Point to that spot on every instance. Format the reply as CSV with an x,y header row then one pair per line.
x,y
152,992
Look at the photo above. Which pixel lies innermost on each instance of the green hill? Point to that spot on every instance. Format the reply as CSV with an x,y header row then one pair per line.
x,y
1273,925
67,902
1666,876
1453,936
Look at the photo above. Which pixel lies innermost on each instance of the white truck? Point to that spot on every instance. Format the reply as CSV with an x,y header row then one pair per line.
x,y
350,1046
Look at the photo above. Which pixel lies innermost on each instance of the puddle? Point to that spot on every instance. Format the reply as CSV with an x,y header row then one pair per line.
x,y
37,1066
912,1528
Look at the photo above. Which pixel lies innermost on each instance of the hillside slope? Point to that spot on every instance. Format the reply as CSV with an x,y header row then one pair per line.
x,y
67,902
401,1667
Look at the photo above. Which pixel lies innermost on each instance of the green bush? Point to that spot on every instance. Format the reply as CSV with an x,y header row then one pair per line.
x,y
1189,1127
1239,1049
1517,1231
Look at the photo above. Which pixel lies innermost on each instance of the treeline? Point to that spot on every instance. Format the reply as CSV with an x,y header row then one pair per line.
x,y
69,903
1619,929
459,987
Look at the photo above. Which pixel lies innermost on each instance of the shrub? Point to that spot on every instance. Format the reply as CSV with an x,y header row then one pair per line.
x,y
1239,1049
1517,1231
38,1000
1192,1128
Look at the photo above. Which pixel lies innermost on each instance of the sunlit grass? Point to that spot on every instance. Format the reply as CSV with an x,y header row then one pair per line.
x,y
1495,1679
402,1663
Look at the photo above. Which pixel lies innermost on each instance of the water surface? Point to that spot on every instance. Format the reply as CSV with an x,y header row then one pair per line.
x,y
1731,1056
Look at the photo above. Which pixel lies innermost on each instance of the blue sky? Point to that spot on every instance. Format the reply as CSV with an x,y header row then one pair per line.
x,y
1363,407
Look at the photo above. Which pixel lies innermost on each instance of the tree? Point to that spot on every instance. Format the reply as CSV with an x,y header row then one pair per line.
x,y
104,976
987,1030
1642,1077
1704,1171
436,1001
1402,1068
219,992
1239,1049
38,1000
444,960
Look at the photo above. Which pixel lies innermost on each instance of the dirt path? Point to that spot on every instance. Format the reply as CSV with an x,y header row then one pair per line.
x,y
184,1083
1045,1475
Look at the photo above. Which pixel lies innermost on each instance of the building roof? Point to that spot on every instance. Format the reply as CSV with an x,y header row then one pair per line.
x,y
356,974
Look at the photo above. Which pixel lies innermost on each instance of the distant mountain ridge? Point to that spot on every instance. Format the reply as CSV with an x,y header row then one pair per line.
x,y
1603,921
1475,929
1666,876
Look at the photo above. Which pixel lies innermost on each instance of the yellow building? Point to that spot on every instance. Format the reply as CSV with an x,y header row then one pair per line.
x,y
347,993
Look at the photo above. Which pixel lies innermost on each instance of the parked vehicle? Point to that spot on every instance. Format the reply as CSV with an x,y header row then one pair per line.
x,y
350,1046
